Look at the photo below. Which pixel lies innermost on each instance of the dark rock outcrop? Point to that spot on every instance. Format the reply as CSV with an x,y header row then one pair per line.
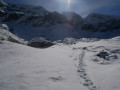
x,y
40,42
3,6
100,23
51,18
2,13
13,16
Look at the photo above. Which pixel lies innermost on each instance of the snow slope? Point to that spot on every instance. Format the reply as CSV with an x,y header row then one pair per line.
x,y
6,35
100,73
60,67
26,68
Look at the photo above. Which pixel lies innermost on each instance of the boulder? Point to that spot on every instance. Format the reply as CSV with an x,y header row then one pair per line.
x,y
40,42
12,39
4,26
70,41
103,54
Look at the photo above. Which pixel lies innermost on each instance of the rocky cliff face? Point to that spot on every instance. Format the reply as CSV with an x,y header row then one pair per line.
x,y
51,18
3,6
100,23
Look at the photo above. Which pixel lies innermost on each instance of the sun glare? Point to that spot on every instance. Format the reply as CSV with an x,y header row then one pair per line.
x,y
68,5
65,4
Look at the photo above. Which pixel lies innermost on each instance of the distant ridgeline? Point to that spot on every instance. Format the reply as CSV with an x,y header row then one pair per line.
x,y
54,25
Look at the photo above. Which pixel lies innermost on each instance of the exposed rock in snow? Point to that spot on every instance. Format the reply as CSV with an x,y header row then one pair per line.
x,y
103,54
70,41
4,26
40,42
6,35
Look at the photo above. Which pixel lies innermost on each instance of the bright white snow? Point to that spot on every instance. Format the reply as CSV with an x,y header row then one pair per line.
x,y
26,68
60,67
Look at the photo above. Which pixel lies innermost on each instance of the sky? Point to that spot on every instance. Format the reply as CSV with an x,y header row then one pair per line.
x,y
82,7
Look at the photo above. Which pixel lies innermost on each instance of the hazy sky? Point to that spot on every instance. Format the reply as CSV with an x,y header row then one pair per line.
x,y
82,7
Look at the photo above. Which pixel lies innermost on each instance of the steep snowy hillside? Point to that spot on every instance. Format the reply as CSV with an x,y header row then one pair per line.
x,y
6,35
86,65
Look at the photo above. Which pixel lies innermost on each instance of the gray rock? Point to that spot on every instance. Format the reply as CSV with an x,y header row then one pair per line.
x,y
40,42
103,54
13,16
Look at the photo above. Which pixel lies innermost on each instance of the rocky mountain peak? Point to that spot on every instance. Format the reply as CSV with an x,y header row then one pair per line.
x,y
3,6
73,18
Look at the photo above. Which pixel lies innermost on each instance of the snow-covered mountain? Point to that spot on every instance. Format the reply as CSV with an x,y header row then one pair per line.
x,y
27,9
29,21
8,36
99,22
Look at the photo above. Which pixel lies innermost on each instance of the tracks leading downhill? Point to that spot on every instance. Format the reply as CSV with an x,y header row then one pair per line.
x,y
85,80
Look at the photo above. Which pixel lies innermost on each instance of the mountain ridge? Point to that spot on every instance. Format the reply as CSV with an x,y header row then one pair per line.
x,y
28,21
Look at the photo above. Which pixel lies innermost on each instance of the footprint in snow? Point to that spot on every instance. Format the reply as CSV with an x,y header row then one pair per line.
x,y
56,79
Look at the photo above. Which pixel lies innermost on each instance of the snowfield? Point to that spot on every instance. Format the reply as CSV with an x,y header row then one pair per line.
x,y
89,62
26,68
61,67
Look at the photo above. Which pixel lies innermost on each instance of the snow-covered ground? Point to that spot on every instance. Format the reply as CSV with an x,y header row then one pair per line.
x,y
27,68
96,72
61,67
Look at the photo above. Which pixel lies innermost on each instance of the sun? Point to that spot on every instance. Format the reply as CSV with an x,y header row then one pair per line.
x,y
68,2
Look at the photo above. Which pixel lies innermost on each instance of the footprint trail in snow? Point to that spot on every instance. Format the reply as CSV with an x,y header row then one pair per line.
x,y
84,78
